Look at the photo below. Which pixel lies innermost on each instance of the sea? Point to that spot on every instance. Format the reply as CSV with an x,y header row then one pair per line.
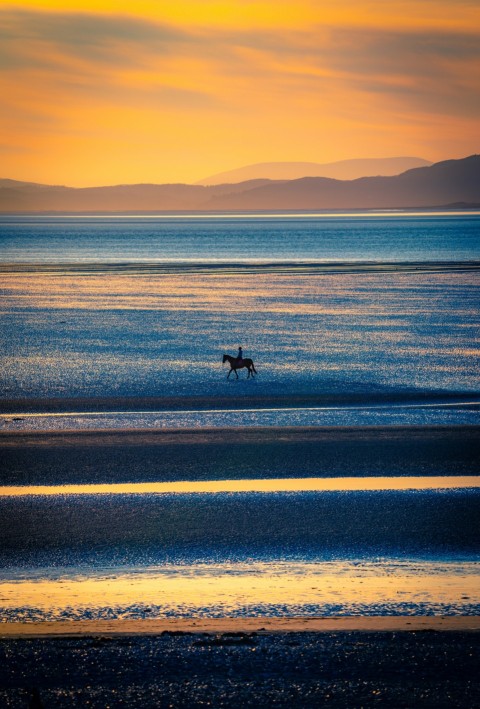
x,y
140,478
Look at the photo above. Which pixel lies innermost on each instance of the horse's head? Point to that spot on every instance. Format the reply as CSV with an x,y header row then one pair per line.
x,y
225,358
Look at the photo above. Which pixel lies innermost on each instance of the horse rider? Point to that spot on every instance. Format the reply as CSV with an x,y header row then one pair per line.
x,y
240,356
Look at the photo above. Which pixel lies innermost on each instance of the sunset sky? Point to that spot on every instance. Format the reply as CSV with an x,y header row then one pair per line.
x,y
107,92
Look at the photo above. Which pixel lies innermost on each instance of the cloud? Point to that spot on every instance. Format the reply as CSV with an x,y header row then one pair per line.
x,y
8,149
91,54
154,96
437,71
430,71
92,37
398,53
84,56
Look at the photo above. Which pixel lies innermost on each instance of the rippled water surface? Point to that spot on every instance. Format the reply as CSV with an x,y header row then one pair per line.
x,y
359,236
244,589
141,335
120,324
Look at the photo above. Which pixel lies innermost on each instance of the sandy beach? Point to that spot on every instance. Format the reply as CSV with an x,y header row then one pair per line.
x,y
214,626
349,668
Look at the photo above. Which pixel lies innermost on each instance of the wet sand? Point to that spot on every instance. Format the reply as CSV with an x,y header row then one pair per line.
x,y
262,266
253,435
236,669
82,457
350,661
381,396
103,628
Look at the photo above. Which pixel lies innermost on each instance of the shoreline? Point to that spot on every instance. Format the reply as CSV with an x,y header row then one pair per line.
x,y
258,625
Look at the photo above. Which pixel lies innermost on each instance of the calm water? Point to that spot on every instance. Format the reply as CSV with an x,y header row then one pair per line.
x,y
126,320
361,237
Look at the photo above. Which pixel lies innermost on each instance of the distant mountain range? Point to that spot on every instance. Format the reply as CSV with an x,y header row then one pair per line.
x,y
448,183
341,170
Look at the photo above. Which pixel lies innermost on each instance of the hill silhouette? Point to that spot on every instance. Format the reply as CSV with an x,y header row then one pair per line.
x,y
340,170
444,183
452,182
32,197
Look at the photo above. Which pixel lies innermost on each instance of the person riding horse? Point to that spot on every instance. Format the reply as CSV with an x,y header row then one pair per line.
x,y
239,362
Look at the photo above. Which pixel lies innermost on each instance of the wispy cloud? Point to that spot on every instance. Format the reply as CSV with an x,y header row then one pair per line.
x,y
248,84
96,56
424,70
92,49
92,37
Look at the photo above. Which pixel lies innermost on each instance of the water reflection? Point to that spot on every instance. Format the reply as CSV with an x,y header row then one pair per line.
x,y
436,413
255,589
141,334
261,485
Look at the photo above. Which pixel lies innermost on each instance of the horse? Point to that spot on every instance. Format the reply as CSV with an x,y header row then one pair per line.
x,y
235,364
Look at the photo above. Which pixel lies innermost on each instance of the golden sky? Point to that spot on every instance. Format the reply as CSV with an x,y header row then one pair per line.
x,y
108,92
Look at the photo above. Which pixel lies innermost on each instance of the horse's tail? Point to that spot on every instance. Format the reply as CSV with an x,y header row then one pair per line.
x,y
253,367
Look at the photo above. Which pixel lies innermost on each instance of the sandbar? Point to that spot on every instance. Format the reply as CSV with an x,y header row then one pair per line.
x,y
84,628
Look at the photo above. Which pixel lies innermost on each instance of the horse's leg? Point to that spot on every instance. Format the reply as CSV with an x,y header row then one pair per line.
x,y
231,370
236,373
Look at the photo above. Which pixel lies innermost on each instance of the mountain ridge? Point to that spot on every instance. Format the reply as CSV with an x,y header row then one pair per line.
x,y
339,170
444,183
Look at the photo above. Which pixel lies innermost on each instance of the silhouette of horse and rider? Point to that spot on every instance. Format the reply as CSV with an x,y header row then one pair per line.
x,y
239,362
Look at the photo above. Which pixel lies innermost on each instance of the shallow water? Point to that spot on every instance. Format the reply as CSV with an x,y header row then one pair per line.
x,y
241,554
106,310
458,413
111,331
135,335
346,551
142,528
262,589
251,485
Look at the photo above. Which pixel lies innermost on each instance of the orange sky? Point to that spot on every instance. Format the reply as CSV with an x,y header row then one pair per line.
x,y
108,92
